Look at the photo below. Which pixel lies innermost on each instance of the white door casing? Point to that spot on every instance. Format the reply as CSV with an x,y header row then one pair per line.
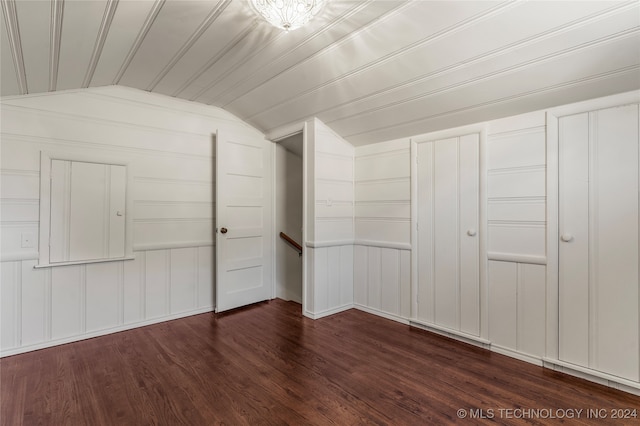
x,y
244,250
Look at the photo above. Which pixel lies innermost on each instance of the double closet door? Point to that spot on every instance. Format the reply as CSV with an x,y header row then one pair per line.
x,y
448,184
598,240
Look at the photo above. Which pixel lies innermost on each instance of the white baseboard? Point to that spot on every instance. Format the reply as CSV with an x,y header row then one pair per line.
x,y
593,375
104,332
380,313
453,334
289,296
326,313
531,359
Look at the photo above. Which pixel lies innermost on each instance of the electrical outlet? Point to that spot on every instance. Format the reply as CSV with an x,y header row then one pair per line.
x,y
28,240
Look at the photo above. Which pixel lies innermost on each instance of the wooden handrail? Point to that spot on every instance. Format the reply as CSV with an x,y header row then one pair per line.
x,y
291,241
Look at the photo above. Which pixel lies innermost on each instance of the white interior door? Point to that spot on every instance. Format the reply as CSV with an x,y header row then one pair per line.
x,y
448,242
598,248
243,219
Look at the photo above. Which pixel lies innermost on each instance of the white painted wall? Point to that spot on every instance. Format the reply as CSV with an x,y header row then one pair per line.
x,y
515,197
329,221
169,145
289,221
516,163
382,256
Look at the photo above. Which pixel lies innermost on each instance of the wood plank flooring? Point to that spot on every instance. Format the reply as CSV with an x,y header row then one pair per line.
x,y
266,364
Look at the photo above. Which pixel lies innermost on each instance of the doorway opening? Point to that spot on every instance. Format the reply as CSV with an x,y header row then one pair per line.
x,y
288,220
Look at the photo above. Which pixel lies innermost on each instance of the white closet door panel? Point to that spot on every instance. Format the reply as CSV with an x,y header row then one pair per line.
x,y
88,237
448,220
469,192
574,255
598,253
60,198
446,233
117,202
614,240
426,303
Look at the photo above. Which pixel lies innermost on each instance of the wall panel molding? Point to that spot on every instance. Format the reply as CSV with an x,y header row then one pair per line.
x,y
105,25
195,137
515,133
517,258
360,136
151,17
383,244
47,141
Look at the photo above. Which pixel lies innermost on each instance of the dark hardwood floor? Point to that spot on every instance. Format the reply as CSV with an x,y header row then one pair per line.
x,y
266,364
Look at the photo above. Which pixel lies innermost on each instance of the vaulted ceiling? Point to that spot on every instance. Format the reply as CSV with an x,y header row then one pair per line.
x,y
371,70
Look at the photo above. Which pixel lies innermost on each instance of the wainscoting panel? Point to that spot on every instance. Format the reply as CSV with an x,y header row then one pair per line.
x,y
517,307
329,227
169,148
382,255
45,307
382,281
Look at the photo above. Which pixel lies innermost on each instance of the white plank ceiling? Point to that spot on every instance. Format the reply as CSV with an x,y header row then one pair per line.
x,y
371,70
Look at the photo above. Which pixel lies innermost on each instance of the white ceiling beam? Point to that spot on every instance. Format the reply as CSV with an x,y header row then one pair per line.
x,y
458,26
109,12
213,15
55,37
153,14
359,7
233,43
509,48
13,34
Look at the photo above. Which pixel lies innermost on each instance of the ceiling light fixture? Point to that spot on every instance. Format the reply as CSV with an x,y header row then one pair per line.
x,y
287,14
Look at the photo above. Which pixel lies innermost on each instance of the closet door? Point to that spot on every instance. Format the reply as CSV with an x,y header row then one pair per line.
x,y
448,248
598,241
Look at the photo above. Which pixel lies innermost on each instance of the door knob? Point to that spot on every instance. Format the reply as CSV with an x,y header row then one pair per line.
x,y
566,237
471,232
223,230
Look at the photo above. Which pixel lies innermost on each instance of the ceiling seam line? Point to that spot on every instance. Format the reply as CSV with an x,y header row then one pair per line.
x,y
334,45
151,17
504,99
206,23
310,38
13,35
467,62
536,61
233,43
440,34
103,32
55,41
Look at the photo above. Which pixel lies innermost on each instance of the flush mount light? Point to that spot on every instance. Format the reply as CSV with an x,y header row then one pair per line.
x,y
287,14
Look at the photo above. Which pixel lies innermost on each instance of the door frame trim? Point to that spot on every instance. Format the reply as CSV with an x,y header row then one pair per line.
x,y
274,136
